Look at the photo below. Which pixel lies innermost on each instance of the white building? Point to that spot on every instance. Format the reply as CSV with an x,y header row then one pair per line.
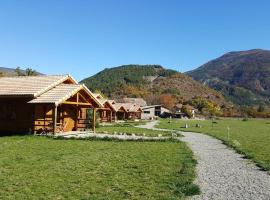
x,y
154,111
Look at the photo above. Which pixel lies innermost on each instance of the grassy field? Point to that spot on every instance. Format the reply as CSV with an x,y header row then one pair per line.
x,y
129,128
251,138
34,167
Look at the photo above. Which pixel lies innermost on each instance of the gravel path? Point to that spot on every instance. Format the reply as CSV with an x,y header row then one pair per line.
x,y
222,174
151,125
86,134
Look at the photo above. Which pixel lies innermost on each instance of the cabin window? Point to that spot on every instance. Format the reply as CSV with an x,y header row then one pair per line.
x,y
88,113
146,112
80,114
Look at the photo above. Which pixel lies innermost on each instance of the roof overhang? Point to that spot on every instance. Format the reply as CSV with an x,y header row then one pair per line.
x,y
67,77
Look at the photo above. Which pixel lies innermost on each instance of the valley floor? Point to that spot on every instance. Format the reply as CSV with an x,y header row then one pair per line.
x,y
36,167
223,173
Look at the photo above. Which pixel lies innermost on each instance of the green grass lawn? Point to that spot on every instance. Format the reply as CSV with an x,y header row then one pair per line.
x,y
251,138
130,129
34,167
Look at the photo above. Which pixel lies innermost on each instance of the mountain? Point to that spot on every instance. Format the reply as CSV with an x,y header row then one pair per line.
x,y
149,82
5,71
243,77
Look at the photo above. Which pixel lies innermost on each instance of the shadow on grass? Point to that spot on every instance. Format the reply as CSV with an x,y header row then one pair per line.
x,y
6,133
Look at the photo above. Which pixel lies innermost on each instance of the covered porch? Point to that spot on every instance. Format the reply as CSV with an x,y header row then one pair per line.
x,y
65,108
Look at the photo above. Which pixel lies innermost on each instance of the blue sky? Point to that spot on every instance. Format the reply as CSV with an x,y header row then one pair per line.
x,y
84,37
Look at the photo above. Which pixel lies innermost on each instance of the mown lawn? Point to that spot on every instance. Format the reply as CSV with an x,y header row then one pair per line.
x,y
251,138
33,167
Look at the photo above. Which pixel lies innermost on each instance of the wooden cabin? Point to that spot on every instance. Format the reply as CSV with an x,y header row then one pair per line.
x,y
35,104
120,111
107,112
127,111
133,111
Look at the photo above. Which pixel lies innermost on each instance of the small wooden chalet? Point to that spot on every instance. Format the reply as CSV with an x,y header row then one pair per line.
x,y
45,103
107,113
134,111
127,111
120,111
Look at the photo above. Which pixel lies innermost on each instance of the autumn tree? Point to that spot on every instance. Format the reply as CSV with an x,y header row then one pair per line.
x,y
167,100
187,111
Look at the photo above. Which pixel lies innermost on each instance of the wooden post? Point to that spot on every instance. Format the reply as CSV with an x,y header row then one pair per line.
x,y
77,98
54,119
111,116
44,116
77,118
94,120
77,112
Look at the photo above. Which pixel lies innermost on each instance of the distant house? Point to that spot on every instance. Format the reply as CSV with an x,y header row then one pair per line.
x,y
133,111
154,111
127,111
112,111
121,112
178,111
45,103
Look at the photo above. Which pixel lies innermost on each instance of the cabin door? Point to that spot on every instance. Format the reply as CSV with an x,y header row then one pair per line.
x,y
69,117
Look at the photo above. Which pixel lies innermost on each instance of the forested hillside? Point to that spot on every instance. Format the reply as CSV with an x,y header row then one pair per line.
x,y
153,83
243,77
128,75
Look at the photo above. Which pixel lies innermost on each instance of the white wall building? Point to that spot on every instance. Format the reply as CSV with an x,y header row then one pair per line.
x,y
153,111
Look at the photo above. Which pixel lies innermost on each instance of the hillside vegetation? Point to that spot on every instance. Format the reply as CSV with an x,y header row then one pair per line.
x,y
127,75
151,82
5,71
243,77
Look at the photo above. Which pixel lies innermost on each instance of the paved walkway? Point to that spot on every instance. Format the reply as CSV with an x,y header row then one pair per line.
x,y
222,174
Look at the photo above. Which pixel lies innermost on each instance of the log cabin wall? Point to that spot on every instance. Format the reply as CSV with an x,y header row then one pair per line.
x,y
83,120
68,117
105,115
16,116
121,115
43,117
134,115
